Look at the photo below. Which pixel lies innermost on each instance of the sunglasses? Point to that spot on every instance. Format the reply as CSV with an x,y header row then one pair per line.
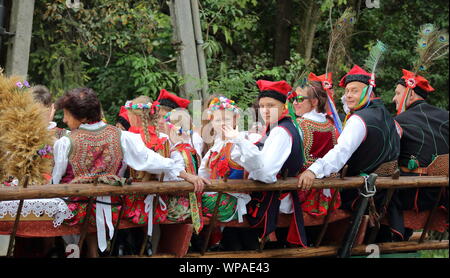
x,y
300,99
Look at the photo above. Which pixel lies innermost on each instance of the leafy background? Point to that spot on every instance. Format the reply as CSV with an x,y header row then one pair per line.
x,y
123,48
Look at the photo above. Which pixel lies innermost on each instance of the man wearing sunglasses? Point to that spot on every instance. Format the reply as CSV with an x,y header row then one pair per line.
x,y
370,137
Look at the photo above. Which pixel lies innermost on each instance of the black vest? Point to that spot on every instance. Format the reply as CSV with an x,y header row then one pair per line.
x,y
425,133
295,160
264,206
382,142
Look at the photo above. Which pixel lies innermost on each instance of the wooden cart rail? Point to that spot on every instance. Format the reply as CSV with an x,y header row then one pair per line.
x,y
67,190
322,251
92,190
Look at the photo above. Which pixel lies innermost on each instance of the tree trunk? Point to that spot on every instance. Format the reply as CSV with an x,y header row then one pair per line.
x,y
310,18
282,31
315,16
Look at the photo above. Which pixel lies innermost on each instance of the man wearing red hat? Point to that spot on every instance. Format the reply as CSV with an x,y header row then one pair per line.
x,y
167,102
282,155
425,136
370,136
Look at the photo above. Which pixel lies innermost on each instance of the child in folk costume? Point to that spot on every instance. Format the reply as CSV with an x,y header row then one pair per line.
x,y
140,115
230,155
178,125
167,102
281,154
319,135
144,117
98,152
143,121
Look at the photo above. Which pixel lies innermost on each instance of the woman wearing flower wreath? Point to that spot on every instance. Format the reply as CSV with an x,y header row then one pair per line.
x,y
178,126
146,120
166,102
230,155
319,135
98,152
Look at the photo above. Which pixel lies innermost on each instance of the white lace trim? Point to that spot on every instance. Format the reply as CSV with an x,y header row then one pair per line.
x,y
55,208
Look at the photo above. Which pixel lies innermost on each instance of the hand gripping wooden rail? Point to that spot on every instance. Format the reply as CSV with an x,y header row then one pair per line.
x,y
66,190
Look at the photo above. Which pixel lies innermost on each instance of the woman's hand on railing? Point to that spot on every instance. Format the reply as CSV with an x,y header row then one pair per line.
x,y
306,180
197,181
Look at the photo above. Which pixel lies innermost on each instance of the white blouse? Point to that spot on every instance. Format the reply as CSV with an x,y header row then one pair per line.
x,y
348,142
275,152
246,154
135,154
177,157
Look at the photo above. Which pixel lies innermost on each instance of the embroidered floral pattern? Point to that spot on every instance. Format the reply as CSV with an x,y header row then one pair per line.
x,y
95,154
221,164
318,139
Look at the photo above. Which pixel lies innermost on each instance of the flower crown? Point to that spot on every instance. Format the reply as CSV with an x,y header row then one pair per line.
x,y
179,128
222,103
130,105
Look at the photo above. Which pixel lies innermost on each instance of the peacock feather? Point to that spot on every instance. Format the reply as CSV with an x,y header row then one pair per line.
x,y
375,56
341,29
432,45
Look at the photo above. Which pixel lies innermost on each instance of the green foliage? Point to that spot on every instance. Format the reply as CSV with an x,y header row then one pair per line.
x,y
240,85
443,253
128,77
115,47
397,24
124,48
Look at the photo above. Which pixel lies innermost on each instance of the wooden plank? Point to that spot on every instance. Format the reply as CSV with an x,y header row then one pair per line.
x,y
323,251
66,190
29,217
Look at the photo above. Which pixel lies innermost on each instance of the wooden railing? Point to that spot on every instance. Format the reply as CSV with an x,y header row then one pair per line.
x,y
92,190
67,190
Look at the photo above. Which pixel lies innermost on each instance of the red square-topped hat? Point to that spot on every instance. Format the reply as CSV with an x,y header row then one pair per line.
x,y
355,74
418,83
274,89
168,99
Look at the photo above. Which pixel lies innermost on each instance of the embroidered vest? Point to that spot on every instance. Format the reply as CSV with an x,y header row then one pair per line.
x,y
159,145
318,139
192,160
190,157
221,163
95,154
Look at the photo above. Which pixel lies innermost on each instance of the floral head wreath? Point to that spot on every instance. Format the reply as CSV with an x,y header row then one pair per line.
x,y
222,103
178,128
129,105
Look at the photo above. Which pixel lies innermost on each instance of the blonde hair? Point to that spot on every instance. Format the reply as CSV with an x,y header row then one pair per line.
x,y
147,118
206,120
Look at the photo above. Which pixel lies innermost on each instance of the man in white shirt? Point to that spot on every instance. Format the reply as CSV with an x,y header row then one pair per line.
x,y
370,137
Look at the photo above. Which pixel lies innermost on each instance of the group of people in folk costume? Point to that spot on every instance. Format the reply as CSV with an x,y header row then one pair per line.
x,y
150,139
156,140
